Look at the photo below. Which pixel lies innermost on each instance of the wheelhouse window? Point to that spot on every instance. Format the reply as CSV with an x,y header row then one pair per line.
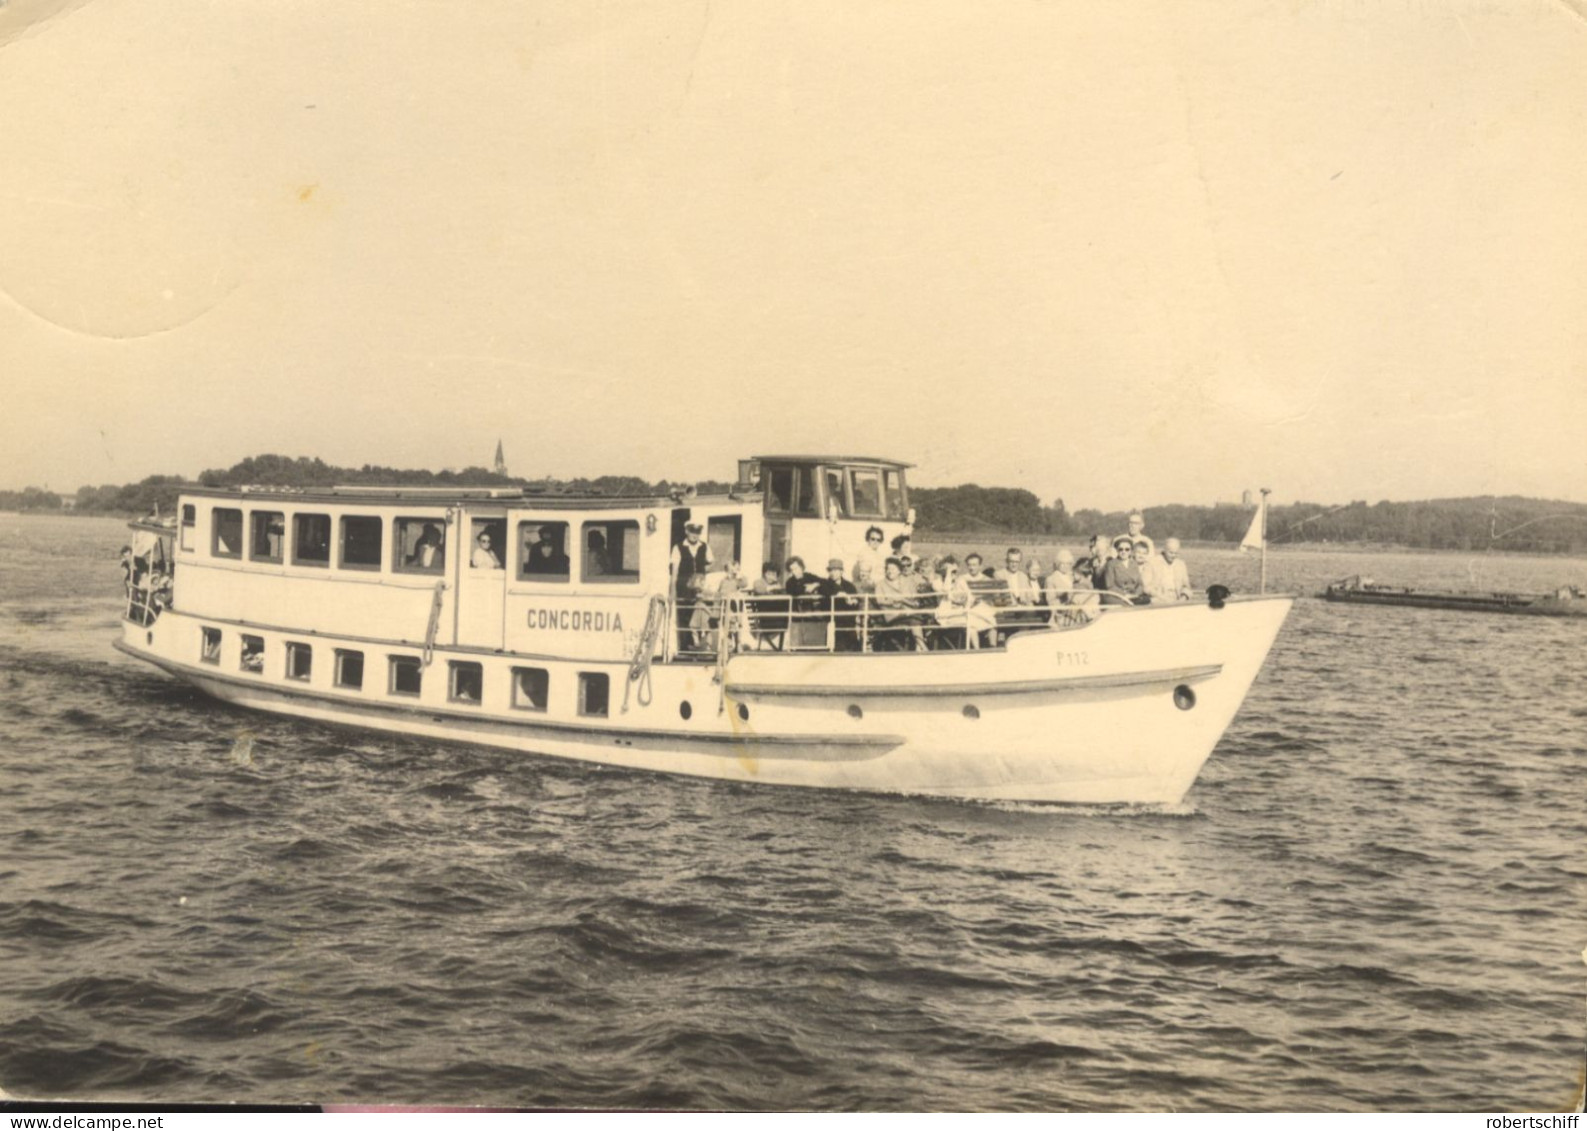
x,y
300,660
792,490
226,527
531,688
487,543
837,497
806,500
594,693
252,654
419,545
466,683
611,551
349,669
267,535
209,646
189,521
866,484
542,551
311,539
407,677
780,490
360,542
893,492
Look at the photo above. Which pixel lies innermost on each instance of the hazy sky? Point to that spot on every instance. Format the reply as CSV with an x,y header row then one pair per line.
x,y
1120,253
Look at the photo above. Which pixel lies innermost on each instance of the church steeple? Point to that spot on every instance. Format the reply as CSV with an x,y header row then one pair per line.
x,y
501,460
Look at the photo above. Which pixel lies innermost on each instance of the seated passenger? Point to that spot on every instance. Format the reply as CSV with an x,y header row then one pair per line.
x,y
546,555
769,605
1121,577
960,606
1165,575
595,555
1015,594
429,550
484,556
895,602
809,630
839,596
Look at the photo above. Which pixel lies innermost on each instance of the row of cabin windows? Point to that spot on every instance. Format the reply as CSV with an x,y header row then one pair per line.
x,y
531,687
858,492
608,548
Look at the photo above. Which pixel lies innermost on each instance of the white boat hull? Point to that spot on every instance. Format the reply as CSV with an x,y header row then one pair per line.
x,y
1123,711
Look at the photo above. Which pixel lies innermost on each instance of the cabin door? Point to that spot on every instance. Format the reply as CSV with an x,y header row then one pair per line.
x,y
482,579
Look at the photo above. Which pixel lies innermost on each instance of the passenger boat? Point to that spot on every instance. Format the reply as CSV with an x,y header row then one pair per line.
x,y
561,631
1566,601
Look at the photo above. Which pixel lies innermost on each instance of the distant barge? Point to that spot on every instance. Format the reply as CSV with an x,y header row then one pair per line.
x,y
1566,601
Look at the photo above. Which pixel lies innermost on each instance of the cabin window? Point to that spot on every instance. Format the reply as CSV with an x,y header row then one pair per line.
x,y
893,491
806,501
252,653
209,646
780,490
406,675
267,535
349,669
487,543
467,682
542,551
837,497
227,529
594,693
189,521
300,660
867,487
611,551
420,545
531,688
311,539
360,542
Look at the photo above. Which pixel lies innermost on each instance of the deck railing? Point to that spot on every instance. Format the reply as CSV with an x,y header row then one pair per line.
x,y
979,615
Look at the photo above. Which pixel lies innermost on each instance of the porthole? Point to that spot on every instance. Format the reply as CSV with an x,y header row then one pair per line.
x,y
685,709
971,711
855,712
743,712
1184,697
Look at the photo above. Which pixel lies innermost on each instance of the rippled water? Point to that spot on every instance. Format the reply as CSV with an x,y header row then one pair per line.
x,y
1373,898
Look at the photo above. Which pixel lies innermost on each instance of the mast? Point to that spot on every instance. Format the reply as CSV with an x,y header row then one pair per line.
x,y
1262,585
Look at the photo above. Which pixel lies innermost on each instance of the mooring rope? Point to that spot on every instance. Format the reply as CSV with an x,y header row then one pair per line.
x,y
639,669
435,623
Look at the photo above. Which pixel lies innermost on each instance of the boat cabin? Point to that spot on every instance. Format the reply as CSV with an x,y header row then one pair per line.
x,y
502,570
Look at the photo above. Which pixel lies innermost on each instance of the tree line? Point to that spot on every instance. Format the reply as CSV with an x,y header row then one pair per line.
x,y
1507,523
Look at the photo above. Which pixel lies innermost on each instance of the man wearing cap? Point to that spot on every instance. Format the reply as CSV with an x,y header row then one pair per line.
x,y
690,562
1121,577
839,593
1165,574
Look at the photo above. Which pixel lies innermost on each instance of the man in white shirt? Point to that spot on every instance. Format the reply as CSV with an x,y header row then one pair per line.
x,y
1166,575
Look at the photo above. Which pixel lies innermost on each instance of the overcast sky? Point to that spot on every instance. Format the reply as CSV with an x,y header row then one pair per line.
x,y
1125,254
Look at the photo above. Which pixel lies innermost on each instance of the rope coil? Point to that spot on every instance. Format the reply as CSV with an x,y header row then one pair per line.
x,y
639,668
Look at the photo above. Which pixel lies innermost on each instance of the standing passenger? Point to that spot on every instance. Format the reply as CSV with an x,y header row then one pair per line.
x,y
689,563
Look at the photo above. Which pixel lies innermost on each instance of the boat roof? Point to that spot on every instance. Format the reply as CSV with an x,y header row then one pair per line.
x,y
367,494
833,459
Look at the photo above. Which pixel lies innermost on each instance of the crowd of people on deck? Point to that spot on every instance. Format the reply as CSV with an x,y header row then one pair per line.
x,y
889,599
